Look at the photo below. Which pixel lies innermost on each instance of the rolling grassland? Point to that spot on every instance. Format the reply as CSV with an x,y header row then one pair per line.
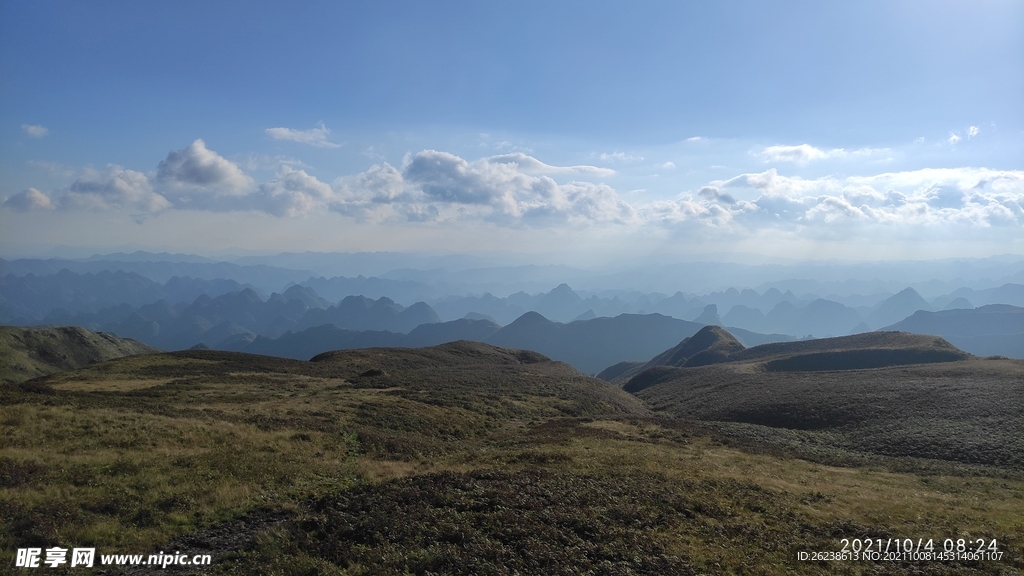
x,y
465,458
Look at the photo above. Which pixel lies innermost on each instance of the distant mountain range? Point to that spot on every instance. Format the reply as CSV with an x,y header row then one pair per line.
x,y
133,296
243,316
993,330
265,278
589,345
51,299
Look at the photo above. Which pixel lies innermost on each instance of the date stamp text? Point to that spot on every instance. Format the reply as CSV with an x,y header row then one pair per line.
x,y
908,550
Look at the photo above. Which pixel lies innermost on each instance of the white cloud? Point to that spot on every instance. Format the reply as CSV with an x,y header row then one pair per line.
x,y
972,132
196,174
515,190
292,193
800,154
668,166
27,200
696,139
964,201
804,153
976,197
953,138
619,157
114,188
531,165
508,189
314,136
255,162
192,178
919,140
35,130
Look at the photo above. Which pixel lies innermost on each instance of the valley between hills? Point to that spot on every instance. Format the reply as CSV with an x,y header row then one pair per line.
x,y
469,458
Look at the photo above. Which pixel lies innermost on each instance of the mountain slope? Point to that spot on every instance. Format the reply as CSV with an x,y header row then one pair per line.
x,y
855,352
27,353
996,329
592,345
915,411
710,345
897,307
441,332
561,304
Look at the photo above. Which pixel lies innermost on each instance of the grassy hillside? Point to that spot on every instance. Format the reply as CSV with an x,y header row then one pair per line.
x,y
710,345
967,412
714,345
27,353
914,344
458,459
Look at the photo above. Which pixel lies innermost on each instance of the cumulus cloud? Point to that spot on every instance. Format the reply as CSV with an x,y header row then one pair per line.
x,y
314,136
113,188
30,199
194,177
35,130
506,191
953,138
696,139
930,197
510,189
965,199
292,193
520,190
668,166
196,172
972,132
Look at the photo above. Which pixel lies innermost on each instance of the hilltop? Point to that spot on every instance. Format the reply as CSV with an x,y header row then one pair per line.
x,y
27,353
709,345
879,394
714,345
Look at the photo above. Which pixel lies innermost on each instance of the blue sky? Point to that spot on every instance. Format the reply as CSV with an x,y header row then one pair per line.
x,y
565,130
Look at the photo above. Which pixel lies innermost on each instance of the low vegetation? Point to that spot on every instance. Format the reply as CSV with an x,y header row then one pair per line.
x,y
27,353
470,459
966,412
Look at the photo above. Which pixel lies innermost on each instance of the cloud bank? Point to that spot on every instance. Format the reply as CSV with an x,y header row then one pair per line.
x,y
973,197
518,190
509,189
